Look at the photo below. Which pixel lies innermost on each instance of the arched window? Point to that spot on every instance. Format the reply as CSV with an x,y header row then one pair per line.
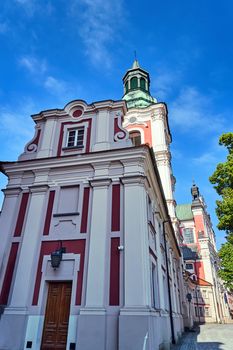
x,y
134,83
127,86
143,83
135,137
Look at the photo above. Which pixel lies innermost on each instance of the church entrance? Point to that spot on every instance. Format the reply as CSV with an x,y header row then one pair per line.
x,y
57,316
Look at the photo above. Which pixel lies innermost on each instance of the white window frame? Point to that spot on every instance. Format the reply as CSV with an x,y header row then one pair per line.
x,y
191,268
165,291
193,236
71,127
76,135
137,129
155,294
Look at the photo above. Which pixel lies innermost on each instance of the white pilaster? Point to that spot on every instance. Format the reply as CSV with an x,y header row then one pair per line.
x,y
103,140
136,245
47,143
29,248
158,132
160,144
98,249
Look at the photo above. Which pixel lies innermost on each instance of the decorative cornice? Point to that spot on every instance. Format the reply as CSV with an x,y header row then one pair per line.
x,y
164,154
125,155
100,182
135,179
71,107
162,162
14,191
38,188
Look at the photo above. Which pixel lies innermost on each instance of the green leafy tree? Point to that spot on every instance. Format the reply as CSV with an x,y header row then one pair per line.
x,y
222,178
226,258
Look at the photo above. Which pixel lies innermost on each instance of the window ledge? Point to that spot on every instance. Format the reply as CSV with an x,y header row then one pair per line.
x,y
72,148
152,227
155,311
65,214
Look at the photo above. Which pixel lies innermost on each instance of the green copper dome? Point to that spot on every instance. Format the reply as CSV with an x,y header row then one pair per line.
x,y
137,87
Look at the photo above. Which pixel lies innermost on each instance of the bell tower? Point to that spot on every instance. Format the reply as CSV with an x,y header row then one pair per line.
x,y
147,123
137,87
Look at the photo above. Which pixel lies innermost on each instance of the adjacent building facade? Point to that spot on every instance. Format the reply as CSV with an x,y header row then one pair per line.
x,y
89,255
201,260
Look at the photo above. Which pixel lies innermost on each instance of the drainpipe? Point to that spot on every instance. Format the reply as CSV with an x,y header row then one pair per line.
x,y
168,286
215,307
197,303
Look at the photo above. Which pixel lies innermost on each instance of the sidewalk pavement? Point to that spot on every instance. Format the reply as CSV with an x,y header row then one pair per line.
x,y
207,337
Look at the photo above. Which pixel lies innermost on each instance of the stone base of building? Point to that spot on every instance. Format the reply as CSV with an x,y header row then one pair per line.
x,y
12,330
98,329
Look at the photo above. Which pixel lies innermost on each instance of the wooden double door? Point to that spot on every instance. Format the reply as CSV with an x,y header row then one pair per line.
x,y
57,316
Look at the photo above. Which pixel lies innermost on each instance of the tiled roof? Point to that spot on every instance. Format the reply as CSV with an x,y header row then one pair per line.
x,y
199,281
184,212
202,282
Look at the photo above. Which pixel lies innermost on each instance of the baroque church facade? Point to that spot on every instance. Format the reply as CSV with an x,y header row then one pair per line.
x,y
90,252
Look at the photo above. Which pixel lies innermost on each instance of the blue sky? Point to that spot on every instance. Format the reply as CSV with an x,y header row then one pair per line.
x,y
59,50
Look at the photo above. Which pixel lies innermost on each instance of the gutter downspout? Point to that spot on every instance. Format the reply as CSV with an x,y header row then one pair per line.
x,y
198,311
214,302
168,286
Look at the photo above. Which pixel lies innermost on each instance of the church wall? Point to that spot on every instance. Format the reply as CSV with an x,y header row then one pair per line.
x,y
104,204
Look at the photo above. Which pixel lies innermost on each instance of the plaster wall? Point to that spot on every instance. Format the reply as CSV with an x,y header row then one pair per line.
x,y
93,322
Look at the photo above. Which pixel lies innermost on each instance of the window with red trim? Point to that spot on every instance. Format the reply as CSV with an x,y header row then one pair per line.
x,y
75,138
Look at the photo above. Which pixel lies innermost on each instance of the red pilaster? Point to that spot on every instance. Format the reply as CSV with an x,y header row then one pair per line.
x,y
21,215
49,213
85,207
9,274
114,291
116,207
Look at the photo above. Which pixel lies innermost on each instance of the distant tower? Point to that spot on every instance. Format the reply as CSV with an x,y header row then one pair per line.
x,y
195,192
147,123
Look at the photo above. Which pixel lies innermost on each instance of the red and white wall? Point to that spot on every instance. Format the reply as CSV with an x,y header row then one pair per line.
x,y
104,203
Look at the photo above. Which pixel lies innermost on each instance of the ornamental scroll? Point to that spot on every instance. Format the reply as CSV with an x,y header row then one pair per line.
x,y
120,134
32,146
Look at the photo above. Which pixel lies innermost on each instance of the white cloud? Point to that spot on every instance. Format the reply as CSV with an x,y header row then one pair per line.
x,y
23,2
207,158
212,156
164,83
55,86
193,110
99,23
63,90
29,6
16,129
33,64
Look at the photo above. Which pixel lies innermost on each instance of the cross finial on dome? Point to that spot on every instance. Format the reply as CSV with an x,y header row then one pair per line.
x,y
135,63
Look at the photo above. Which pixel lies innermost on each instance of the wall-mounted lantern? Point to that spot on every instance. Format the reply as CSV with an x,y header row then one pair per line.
x,y
56,257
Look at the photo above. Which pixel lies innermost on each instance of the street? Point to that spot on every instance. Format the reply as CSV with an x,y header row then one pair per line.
x,y
208,337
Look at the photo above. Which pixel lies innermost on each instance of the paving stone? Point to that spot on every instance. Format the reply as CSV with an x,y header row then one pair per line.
x,y
208,337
